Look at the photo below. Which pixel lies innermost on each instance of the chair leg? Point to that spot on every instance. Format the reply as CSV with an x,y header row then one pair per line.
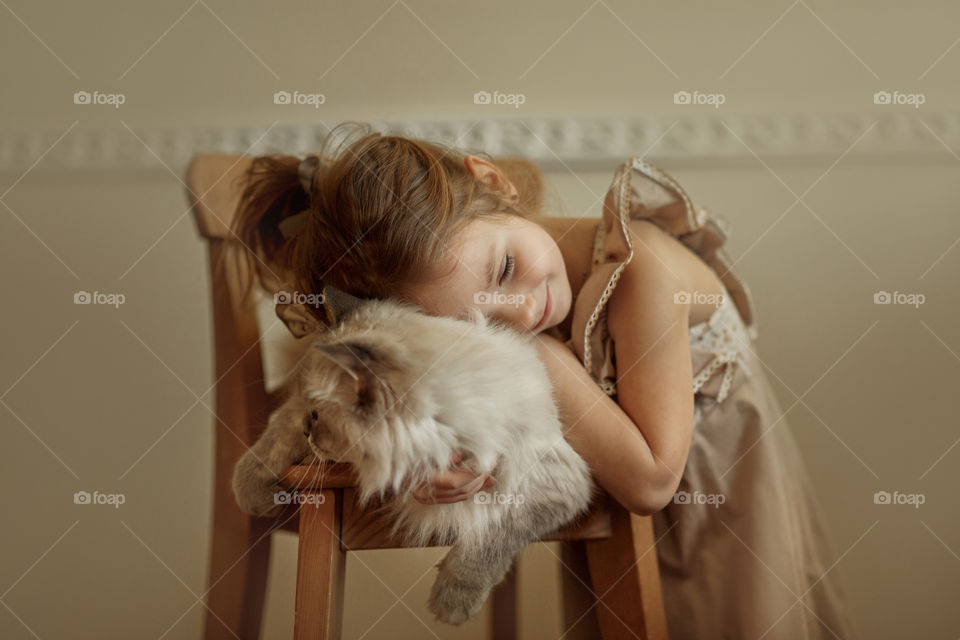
x,y
626,578
321,566
239,558
504,604
577,597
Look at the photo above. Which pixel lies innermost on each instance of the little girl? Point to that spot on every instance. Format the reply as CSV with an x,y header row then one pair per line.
x,y
646,332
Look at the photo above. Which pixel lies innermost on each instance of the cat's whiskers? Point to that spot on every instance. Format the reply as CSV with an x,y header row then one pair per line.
x,y
319,460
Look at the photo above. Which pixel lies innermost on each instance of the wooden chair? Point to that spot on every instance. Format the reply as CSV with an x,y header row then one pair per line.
x,y
609,549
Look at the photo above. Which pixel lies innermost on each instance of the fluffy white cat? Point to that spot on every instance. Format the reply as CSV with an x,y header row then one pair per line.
x,y
396,392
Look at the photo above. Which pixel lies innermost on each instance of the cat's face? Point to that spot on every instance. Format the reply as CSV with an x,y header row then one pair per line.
x,y
345,389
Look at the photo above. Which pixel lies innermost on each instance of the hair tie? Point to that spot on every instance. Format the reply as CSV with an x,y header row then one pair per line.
x,y
307,172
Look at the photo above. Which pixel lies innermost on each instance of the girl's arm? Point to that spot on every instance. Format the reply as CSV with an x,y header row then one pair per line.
x,y
636,449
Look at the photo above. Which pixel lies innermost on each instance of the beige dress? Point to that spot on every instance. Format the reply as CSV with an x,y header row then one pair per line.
x,y
743,552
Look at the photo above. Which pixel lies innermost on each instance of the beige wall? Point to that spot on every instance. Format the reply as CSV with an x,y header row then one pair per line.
x,y
105,399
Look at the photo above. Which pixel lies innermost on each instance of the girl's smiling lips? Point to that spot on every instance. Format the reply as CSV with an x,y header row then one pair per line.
x,y
546,310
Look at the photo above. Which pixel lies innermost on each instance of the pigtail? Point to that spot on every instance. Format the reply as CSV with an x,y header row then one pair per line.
x,y
273,193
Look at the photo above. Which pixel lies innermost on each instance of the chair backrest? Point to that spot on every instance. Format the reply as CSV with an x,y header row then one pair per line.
x,y
242,402
214,192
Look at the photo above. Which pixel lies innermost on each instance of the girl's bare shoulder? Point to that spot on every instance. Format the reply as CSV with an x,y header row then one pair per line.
x,y
661,255
661,263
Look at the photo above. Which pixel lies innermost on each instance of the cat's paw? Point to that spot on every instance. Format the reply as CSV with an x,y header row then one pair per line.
x,y
454,601
259,499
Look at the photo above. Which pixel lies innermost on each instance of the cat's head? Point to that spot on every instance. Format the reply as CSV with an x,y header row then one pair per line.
x,y
348,385
357,388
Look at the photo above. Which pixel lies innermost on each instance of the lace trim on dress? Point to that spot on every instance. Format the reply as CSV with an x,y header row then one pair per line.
x,y
726,337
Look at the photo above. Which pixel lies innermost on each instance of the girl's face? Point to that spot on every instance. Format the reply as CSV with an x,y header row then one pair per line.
x,y
509,268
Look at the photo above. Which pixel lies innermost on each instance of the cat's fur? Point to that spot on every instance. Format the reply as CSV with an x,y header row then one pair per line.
x,y
396,392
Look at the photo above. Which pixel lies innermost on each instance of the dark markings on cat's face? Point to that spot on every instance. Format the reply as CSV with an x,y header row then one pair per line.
x,y
360,362
310,422
347,387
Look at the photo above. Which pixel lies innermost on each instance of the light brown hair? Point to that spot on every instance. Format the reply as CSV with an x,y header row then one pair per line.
x,y
385,208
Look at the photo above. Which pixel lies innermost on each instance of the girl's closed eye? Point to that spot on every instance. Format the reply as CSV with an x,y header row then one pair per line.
x,y
507,269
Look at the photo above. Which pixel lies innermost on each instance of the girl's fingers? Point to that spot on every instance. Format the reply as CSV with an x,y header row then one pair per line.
x,y
453,480
472,487
424,495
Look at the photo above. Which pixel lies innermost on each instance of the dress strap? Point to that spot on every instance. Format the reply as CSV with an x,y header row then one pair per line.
x,y
642,191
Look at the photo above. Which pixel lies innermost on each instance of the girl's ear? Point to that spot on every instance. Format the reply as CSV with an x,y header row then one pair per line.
x,y
490,174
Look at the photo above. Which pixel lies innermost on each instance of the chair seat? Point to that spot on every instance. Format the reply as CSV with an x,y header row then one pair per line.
x,y
368,527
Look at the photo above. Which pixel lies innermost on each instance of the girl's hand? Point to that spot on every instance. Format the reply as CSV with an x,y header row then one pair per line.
x,y
450,486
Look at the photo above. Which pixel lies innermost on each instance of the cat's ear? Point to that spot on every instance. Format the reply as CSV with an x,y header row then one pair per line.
x,y
298,319
356,360
338,304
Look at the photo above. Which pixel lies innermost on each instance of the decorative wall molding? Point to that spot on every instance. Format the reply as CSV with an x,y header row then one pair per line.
x,y
557,143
